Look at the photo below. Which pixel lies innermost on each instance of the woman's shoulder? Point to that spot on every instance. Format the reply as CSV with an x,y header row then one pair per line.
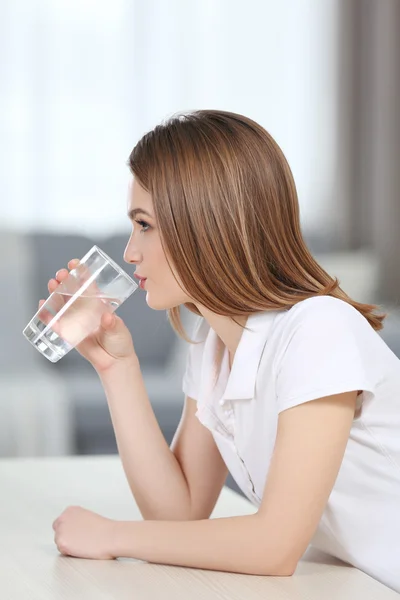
x,y
323,307
322,315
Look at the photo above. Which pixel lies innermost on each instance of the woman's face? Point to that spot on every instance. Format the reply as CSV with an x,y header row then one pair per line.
x,y
144,250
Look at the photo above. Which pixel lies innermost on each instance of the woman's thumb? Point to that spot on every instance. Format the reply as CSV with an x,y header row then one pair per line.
x,y
108,321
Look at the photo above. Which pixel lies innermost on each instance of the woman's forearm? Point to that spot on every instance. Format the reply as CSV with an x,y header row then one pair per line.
x,y
235,544
154,474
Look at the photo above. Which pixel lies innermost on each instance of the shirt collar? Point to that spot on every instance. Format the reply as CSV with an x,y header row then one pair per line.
x,y
242,379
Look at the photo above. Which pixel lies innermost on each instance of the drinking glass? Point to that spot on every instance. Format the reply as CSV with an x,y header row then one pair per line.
x,y
74,310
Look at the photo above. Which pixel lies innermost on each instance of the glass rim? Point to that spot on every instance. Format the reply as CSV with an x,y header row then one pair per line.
x,y
112,262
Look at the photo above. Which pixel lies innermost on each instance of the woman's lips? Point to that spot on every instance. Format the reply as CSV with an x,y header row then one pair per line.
x,y
142,281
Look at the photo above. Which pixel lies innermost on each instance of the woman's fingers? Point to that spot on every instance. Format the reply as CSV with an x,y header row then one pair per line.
x,y
44,315
57,302
82,275
52,285
61,275
73,263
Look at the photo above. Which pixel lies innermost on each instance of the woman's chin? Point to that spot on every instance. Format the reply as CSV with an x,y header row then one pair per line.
x,y
154,305
159,304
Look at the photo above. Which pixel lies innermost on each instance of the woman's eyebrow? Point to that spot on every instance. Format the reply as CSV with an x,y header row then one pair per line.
x,y
135,211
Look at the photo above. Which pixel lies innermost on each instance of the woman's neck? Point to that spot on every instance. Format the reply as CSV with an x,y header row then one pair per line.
x,y
226,329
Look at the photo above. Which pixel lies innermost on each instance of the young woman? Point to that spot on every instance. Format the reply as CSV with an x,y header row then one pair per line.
x,y
288,384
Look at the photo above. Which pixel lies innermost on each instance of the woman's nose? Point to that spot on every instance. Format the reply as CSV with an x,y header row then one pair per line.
x,y
132,254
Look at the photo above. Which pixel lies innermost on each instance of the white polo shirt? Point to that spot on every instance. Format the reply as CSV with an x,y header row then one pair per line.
x,y
321,346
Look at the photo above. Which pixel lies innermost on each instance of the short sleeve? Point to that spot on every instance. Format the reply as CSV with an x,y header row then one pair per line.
x,y
325,353
192,377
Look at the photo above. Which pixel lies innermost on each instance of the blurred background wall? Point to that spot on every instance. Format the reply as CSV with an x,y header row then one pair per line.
x,y
82,80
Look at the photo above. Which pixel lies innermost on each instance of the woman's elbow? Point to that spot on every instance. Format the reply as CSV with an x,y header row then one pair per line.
x,y
278,569
285,571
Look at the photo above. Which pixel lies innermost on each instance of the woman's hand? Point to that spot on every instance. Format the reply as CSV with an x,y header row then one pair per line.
x,y
84,534
109,344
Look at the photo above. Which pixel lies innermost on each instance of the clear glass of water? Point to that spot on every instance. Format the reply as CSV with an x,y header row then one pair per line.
x,y
74,310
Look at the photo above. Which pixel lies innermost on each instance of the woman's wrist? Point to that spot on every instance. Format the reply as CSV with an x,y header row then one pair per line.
x,y
120,531
119,365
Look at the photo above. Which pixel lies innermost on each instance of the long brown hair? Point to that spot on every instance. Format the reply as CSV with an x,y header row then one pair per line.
x,y
227,208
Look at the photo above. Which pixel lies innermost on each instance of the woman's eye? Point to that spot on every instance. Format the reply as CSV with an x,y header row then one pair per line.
x,y
144,226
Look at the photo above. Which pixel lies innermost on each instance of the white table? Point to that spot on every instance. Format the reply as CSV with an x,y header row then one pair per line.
x,y
33,492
